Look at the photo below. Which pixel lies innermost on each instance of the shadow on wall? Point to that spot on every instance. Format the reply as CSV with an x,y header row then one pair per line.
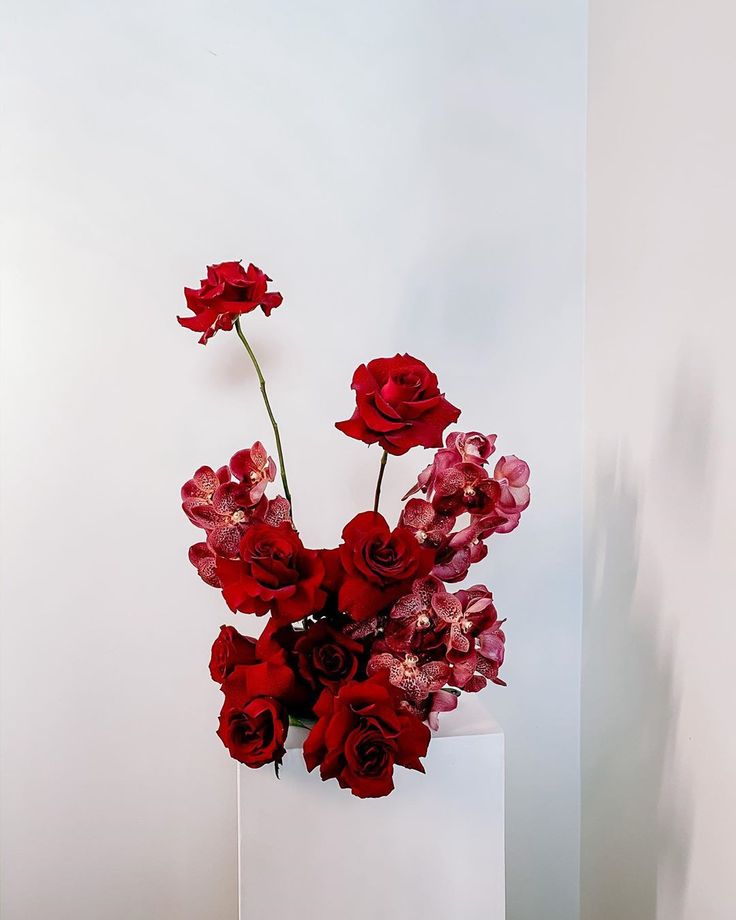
x,y
637,804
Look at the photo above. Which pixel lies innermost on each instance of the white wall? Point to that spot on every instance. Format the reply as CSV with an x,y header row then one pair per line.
x,y
659,757
411,174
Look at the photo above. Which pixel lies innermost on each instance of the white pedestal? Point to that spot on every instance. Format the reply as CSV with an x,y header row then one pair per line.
x,y
432,849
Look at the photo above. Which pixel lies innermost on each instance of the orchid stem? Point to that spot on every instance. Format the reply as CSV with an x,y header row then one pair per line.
x,y
381,470
264,394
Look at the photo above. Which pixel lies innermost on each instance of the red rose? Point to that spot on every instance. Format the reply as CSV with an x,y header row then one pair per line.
x,y
326,657
398,405
380,564
227,292
267,669
254,731
361,733
228,650
275,572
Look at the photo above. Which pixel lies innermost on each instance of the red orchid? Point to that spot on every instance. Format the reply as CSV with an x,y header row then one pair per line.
x,y
412,624
255,469
406,672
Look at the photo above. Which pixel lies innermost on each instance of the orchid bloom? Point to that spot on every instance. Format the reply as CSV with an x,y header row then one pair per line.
x,y
255,469
415,679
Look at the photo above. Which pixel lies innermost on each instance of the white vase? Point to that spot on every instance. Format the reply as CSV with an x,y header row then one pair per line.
x,y
432,849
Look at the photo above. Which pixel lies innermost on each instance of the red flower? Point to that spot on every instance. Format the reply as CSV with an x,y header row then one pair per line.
x,y
426,523
380,564
464,615
428,710
361,733
229,650
220,507
227,292
460,447
275,572
254,731
482,663
512,475
398,405
412,626
406,672
466,487
255,469
472,446
204,560
260,687
266,669
466,547
326,657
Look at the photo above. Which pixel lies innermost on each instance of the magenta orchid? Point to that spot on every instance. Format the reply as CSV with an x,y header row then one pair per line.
x,y
407,673
255,470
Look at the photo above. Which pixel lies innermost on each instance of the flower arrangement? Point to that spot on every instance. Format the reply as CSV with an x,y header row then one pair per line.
x,y
364,644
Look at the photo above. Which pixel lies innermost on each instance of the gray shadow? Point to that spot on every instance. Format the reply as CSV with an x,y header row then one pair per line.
x,y
637,802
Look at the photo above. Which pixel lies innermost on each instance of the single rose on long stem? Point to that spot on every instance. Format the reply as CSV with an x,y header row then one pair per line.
x,y
269,410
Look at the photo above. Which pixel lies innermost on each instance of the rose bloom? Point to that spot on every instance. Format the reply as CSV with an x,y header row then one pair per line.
x,y
398,405
379,563
326,657
361,733
228,291
230,649
275,572
254,730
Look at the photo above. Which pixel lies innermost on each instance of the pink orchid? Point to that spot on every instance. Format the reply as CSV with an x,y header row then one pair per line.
x,y
274,511
512,475
482,662
472,446
465,615
224,518
428,710
426,523
460,447
412,625
203,559
440,701
415,679
201,487
362,629
465,488
255,469
466,547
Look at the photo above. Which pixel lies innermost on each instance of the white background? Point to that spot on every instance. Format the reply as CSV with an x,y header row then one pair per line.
x,y
411,175
659,758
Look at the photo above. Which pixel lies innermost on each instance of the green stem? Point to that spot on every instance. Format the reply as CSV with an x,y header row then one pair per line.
x,y
381,470
264,394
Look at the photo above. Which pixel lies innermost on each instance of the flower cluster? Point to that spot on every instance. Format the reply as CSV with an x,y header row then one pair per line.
x,y
366,643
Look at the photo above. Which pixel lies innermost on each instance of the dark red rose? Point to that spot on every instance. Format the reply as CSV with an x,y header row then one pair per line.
x,y
326,657
334,573
269,669
380,564
361,733
228,291
275,572
398,405
228,650
254,731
